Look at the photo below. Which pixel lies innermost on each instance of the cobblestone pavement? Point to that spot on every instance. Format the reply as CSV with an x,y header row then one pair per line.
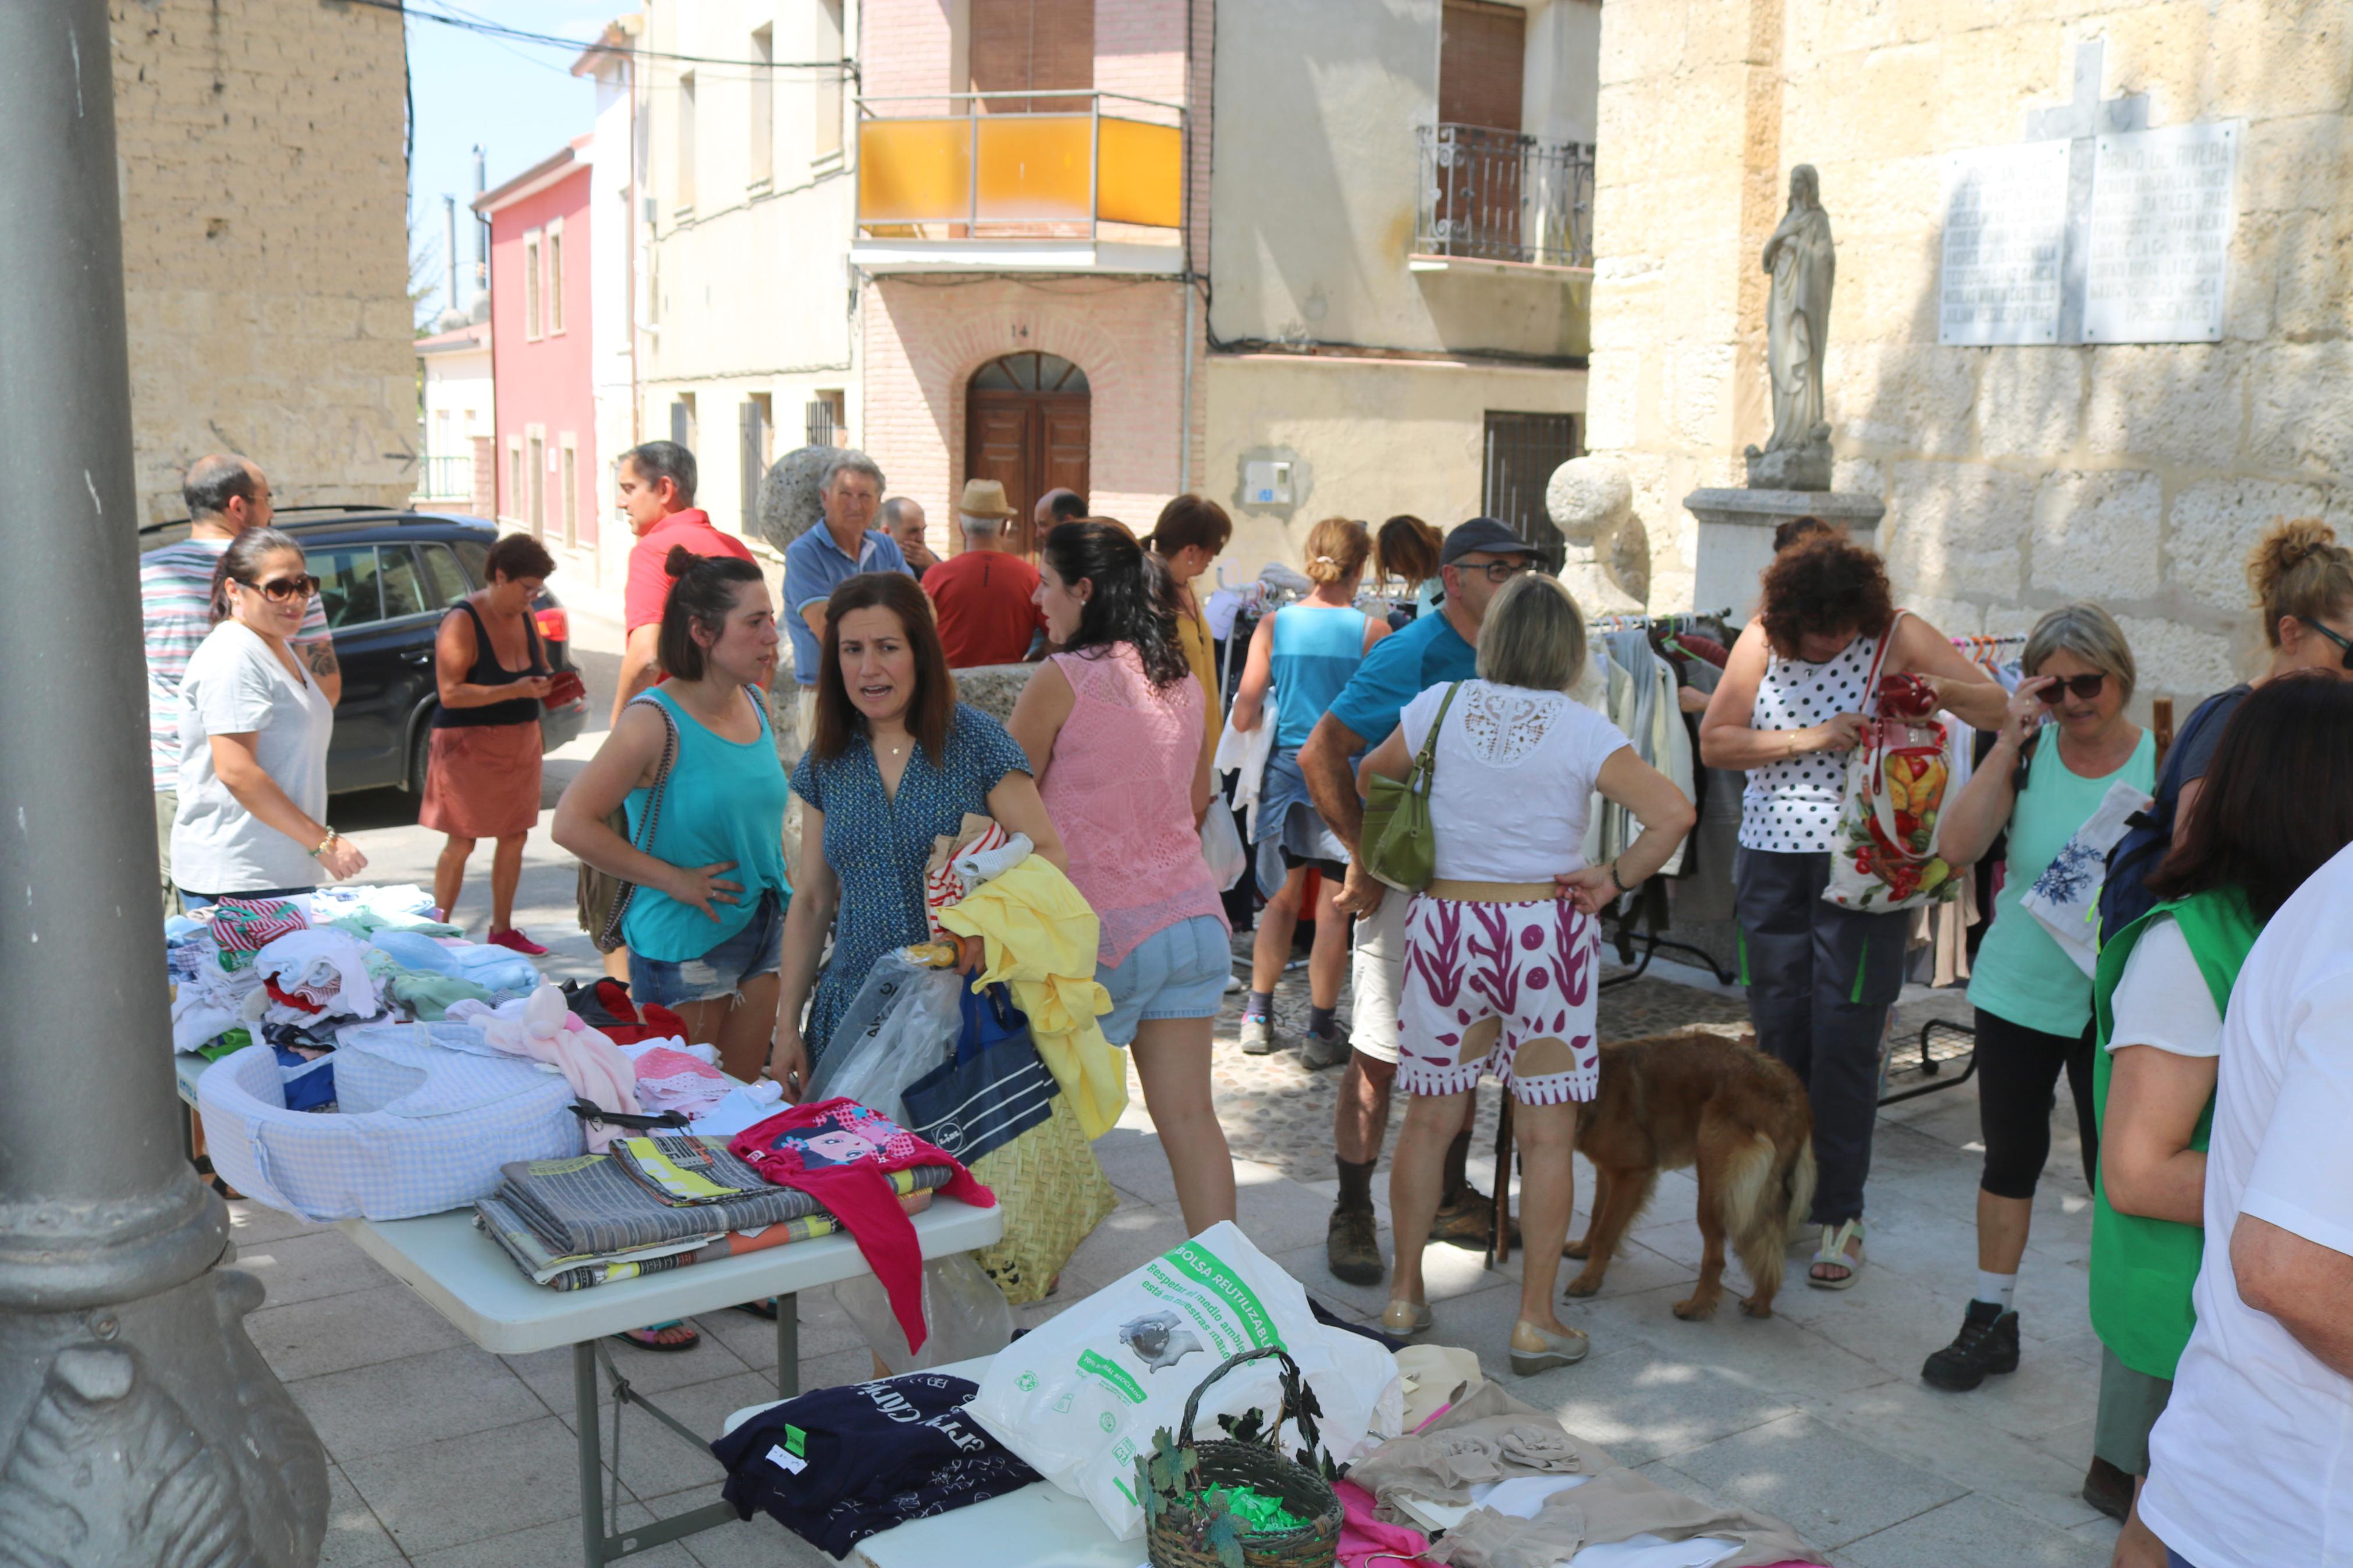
x,y
1279,1113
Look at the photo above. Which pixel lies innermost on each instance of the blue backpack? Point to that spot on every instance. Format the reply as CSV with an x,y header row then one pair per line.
x,y
2125,897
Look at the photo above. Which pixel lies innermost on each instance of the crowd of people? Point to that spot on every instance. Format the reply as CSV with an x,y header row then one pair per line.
x,y
2194,1021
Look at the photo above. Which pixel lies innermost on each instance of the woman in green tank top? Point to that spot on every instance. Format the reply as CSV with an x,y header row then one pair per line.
x,y
2160,995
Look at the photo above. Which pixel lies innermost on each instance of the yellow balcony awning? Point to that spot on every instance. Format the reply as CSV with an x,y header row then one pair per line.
x,y
1020,169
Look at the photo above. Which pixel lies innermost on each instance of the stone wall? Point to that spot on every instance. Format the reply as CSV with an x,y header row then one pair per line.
x,y
265,254
2016,479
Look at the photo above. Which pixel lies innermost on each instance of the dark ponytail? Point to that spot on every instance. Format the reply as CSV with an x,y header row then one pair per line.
x,y
702,593
241,562
1135,599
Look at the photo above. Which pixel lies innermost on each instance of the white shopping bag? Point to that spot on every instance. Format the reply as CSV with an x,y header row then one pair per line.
x,y
1080,1396
2066,896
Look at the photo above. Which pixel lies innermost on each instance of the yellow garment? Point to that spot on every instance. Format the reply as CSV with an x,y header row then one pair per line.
x,y
1193,637
1040,935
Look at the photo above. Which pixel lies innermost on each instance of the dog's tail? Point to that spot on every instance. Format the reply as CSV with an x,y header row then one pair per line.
x,y
1755,1185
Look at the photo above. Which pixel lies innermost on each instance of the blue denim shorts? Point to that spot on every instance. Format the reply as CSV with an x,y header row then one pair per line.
x,y
755,951
1179,972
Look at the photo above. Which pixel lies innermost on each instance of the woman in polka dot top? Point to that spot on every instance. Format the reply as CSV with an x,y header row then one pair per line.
x,y
1822,978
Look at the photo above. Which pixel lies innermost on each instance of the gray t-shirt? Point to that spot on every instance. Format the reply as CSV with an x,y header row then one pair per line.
x,y
236,685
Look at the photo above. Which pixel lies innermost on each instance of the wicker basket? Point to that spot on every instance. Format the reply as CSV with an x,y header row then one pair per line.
x,y
1173,1535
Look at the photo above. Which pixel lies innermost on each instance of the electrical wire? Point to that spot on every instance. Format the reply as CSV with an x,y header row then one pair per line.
x,y
490,29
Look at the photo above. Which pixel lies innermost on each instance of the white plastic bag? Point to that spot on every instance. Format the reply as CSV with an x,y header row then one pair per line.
x,y
903,1024
1221,845
1080,1396
966,1315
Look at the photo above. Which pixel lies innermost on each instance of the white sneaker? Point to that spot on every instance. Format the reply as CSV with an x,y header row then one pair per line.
x,y
1233,982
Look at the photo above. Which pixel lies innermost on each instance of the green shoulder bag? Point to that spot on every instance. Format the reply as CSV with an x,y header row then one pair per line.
x,y
1398,844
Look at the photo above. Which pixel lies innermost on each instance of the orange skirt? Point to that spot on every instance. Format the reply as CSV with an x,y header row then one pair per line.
x,y
482,781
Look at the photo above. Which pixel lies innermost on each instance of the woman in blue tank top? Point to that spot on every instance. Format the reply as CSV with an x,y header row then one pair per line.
x,y
1299,658
705,845
706,851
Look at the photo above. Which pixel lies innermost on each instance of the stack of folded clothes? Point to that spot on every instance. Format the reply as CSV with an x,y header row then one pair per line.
x,y
653,1203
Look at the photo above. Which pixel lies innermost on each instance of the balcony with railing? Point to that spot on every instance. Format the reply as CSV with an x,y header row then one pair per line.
x,y
1063,182
446,478
1499,200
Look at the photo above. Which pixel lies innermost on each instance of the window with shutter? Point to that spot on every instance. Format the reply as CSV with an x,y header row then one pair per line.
x,y
1481,60
1021,44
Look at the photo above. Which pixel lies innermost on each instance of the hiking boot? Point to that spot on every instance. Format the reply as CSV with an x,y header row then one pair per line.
x,y
2108,1489
1469,1221
1258,1037
1352,1248
1317,1051
1987,1343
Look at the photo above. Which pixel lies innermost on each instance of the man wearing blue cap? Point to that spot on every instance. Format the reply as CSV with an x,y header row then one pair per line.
x,y
1479,557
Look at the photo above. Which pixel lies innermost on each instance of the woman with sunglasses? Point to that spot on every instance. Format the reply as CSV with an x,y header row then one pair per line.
x,y
253,727
2064,743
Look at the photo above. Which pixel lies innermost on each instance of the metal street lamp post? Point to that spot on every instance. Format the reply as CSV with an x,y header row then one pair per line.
x,y
138,1425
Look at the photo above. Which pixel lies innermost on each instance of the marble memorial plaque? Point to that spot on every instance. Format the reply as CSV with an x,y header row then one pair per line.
x,y
2161,234
2005,234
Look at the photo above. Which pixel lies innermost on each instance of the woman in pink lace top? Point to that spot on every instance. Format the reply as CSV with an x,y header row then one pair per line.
x,y
1115,730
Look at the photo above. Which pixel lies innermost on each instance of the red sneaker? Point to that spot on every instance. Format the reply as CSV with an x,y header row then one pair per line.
x,y
515,941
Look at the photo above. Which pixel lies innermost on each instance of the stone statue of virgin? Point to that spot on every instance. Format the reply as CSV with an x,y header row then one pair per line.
x,y
1801,259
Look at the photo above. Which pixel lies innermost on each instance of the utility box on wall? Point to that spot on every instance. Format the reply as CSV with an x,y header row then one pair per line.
x,y
1266,483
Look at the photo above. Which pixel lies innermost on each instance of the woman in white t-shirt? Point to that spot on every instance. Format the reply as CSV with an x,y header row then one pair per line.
x,y
253,727
1502,948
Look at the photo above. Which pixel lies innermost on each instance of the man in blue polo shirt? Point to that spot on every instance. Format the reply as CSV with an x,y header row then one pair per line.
x,y
820,559
1479,557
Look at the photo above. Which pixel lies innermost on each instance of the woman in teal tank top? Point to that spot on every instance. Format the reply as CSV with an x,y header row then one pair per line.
x,y
1299,658
2064,743
704,850
2161,997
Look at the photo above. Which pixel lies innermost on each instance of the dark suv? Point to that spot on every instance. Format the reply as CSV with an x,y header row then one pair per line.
x,y
386,578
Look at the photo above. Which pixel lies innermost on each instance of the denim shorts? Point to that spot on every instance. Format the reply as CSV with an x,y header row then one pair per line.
x,y
1177,971
755,951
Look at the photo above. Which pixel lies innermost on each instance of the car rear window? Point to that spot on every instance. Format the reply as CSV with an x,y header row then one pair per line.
x,y
441,575
477,561
404,585
347,585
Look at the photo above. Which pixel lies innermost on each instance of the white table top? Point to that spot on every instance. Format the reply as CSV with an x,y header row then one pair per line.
x,y
187,1067
1040,1526
471,1280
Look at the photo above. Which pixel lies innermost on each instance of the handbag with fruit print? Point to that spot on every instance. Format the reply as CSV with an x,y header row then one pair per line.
x,y
1884,855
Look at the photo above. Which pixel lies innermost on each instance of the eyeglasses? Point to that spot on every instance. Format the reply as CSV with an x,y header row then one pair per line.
x,y
278,590
2085,687
1500,571
2339,639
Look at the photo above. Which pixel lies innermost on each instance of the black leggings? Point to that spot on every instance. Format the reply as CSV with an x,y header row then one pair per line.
x,y
2018,1083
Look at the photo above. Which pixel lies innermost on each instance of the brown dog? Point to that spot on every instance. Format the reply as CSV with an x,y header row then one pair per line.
x,y
1699,1099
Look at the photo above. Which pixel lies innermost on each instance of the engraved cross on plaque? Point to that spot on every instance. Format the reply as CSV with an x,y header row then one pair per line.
x,y
2080,122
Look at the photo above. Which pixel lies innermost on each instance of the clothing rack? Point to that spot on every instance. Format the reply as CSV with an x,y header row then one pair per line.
x,y
1673,620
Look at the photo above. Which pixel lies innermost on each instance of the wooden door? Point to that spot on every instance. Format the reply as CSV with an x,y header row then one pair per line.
x,y
1027,426
1482,60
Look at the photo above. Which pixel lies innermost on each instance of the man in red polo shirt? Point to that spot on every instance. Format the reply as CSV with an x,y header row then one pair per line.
x,y
985,598
657,484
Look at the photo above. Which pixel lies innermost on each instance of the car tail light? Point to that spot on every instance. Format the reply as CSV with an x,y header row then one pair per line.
x,y
554,625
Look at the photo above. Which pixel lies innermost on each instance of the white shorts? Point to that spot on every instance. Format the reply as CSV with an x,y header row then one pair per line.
x,y
1485,981
1376,976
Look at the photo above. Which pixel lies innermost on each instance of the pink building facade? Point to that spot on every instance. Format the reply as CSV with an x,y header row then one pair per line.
x,y
549,474
1049,346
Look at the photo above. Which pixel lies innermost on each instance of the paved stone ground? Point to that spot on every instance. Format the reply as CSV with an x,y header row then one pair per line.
x,y
446,1456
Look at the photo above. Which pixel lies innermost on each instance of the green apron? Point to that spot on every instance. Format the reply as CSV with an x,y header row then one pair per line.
x,y
2143,1269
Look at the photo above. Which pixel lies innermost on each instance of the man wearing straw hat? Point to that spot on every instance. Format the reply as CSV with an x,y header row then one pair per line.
x,y
985,598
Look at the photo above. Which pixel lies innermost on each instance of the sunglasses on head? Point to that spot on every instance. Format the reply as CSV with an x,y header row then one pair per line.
x,y
278,590
2086,687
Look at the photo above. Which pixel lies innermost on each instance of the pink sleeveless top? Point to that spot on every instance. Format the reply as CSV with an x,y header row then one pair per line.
x,y
1119,786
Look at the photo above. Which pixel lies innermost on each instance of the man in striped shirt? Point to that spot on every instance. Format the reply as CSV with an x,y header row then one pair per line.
x,y
225,495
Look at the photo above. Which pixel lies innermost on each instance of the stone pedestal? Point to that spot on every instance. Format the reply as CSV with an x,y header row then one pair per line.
x,y
1736,537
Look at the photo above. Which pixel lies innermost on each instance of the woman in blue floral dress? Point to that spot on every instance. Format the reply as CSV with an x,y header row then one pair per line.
x,y
894,761
2064,743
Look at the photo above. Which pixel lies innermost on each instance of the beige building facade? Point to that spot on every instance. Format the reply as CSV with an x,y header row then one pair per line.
x,y
2016,477
738,217
265,256
1400,261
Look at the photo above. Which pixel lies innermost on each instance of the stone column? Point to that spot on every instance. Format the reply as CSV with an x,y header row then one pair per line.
x,y
140,1425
